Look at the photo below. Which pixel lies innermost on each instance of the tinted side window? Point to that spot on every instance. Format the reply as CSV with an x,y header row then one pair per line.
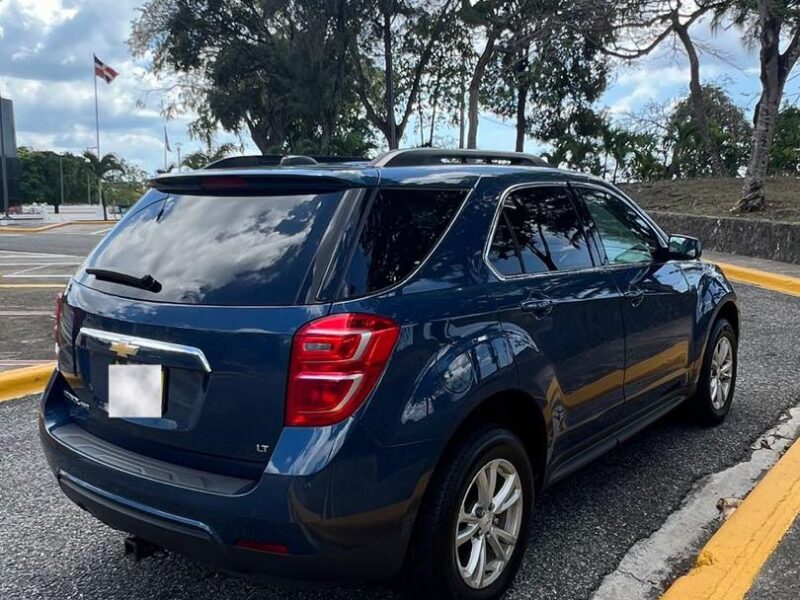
x,y
504,253
627,238
547,230
399,231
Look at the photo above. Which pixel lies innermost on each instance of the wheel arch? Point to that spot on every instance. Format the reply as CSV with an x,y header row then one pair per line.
x,y
517,411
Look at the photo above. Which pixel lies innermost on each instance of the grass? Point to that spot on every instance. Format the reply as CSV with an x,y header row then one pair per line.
x,y
715,197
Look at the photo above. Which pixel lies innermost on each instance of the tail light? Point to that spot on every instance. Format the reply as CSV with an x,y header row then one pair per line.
x,y
57,326
336,362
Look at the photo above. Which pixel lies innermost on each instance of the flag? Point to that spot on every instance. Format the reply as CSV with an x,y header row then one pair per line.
x,y
166,141
103,71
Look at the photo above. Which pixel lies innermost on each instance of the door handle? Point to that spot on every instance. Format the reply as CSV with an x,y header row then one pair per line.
x,y
635,295
540,307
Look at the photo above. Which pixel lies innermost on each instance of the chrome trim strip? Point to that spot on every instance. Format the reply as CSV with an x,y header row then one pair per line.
x,y
156,345
595,268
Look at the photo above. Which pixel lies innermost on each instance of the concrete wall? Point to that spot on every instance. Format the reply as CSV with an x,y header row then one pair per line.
x,y
748,237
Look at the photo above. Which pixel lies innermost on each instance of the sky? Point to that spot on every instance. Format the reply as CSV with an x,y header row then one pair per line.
x,y
46,68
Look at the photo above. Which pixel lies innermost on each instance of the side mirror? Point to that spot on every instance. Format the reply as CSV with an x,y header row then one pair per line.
x,y
683,247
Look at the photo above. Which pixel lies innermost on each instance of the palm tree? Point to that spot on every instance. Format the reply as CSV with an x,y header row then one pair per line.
x,y
100,167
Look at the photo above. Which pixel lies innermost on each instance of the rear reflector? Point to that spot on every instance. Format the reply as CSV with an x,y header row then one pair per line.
x,y
57,326
336,362
262,547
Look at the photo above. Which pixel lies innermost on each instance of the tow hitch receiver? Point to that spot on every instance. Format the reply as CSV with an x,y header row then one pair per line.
x,y
137,548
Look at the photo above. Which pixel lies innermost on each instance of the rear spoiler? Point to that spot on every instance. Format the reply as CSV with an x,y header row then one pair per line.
x,y
264,182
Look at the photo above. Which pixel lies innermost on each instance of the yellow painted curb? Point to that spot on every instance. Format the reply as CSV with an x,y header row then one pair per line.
x,y
43,228
763,279
17,383
729,563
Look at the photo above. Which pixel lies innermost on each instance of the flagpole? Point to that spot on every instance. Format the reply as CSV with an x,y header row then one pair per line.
x,y
97,128
96,108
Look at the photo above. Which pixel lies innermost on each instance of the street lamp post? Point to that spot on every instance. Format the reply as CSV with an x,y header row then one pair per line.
x,y
3,172
61,172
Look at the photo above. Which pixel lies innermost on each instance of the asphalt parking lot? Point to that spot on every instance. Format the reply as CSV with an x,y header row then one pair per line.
x,y
582,527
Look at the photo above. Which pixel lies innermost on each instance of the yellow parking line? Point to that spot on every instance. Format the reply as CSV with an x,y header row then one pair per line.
x,y
763,279
24,382
54,226
729,563
32,285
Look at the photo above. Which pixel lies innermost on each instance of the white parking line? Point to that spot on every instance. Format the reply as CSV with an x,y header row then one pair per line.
x,y
37,265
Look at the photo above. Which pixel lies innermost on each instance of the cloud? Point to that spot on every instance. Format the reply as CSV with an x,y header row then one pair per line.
x,y
46,49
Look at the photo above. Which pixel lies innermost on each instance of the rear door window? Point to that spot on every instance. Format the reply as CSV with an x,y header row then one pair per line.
x,y
399,231
229,250
545,233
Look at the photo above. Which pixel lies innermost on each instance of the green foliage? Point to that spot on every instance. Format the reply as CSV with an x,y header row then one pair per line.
x,y
784,157
279,69
41,177
200,158
729,128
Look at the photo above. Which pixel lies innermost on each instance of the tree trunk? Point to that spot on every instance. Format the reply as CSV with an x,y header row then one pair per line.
x,y
698,102
461,123
475,87
391,136
775,69
522,100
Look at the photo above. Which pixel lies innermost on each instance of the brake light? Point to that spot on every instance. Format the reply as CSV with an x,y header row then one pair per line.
x,y
57,326
336,362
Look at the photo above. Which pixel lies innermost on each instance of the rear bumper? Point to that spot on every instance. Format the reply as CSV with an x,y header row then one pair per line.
x,y
330,527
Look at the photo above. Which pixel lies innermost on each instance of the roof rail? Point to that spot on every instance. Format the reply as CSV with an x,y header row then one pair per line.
x,y
274,160
414,157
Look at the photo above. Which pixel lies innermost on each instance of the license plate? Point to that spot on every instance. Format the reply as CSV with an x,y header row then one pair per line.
x,y
135,391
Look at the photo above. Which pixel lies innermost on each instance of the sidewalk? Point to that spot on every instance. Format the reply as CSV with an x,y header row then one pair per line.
x,y
780,576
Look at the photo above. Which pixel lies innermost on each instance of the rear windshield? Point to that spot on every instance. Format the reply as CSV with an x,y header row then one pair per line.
x,y
217,250
399,231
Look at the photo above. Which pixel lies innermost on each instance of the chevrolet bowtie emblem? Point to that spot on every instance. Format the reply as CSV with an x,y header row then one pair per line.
x,y
123,349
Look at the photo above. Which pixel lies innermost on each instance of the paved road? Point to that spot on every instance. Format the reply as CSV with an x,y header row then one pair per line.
x,y
582,527
779,577
74,239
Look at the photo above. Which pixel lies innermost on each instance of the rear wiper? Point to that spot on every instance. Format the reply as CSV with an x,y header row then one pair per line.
x,y
145,282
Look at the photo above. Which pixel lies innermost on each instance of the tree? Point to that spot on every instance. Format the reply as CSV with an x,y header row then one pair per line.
x,y
100,168
547,70
727,126
393,44
775,20
784,156
280,70
200,158
650,23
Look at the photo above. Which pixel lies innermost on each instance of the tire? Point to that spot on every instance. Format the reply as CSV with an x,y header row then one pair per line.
x,y
708,406
433,562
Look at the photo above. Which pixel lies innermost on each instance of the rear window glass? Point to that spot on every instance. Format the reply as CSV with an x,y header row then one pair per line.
x,y
399,231
217,250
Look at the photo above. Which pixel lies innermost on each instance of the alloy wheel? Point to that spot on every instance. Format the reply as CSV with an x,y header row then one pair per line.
x,y
721,376
489,522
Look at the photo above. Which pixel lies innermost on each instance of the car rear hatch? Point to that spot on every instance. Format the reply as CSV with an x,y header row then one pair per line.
x,y
240,263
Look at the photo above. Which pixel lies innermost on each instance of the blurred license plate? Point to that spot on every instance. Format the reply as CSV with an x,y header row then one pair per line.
x,y
135,391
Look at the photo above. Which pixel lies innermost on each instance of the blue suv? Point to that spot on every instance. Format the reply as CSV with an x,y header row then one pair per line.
x,y
359,370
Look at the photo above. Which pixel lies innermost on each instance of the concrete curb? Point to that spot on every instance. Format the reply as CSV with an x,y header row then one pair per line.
x,y
728,565
17,383
43,228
